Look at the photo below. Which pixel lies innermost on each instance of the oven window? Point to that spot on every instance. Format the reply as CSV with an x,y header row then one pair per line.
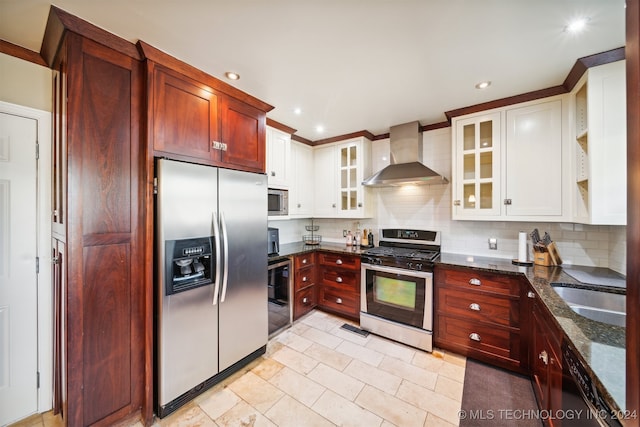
x,y
398,297
395,292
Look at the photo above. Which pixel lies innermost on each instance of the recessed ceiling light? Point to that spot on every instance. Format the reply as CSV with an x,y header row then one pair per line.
x,y
297,111
232,76
483,85
576,25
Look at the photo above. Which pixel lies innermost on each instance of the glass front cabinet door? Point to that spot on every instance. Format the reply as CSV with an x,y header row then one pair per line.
x,y
477,167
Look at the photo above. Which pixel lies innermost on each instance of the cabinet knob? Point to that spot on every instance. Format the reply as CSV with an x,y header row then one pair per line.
x,y
339,300
507,201
299,205
475,337
359,204
339,261
544,357
475,282
273,173
474,306
530,294
339,279
304,261
305,300
333,205
304,279
456,203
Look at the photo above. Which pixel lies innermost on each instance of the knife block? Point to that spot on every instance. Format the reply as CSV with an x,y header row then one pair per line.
x,y
542,258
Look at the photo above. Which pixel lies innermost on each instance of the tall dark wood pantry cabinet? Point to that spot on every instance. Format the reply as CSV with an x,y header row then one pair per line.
x,y
98,228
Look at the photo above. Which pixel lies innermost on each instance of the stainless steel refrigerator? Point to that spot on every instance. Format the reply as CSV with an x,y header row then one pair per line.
x,y
211,305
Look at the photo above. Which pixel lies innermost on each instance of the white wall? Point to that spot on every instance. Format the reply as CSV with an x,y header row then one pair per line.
x,y
429,207
25,83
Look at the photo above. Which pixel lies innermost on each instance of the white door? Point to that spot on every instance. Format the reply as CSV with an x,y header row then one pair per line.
x,y
18,278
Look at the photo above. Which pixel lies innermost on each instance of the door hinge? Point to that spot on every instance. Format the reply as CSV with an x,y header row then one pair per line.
x,y
37,265
37,150
37,379
155,185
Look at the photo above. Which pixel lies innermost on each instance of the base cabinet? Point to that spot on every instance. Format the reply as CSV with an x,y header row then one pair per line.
x,y
478,314
304,284
544,360
339,283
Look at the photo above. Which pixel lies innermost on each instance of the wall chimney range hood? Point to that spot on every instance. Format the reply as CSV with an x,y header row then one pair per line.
x,y
406,166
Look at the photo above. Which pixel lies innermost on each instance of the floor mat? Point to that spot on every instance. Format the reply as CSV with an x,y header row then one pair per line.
x,y
496,397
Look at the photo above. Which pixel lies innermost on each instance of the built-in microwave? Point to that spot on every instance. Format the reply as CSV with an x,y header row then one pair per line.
x,y
278,202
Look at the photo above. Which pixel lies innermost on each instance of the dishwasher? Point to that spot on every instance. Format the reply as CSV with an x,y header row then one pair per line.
x,y
279,295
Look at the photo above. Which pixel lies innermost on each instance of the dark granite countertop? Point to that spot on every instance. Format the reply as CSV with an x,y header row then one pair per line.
x,y
298,248
600,345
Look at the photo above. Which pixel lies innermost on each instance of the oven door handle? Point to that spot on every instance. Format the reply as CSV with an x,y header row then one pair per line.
x,y
396,270
216,235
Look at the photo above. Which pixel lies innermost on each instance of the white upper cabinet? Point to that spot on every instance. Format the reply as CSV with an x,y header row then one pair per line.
x,y
340,169
278,158
301,192
600,144
511,163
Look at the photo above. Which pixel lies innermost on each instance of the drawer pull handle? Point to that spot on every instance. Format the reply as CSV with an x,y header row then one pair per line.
x,y
474,306
531,294
474,336
339,261
304,261
544,357
304,279
305,300
475,282
339,300
339,279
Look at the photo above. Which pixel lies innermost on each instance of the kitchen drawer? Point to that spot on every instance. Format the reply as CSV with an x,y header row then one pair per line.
x,y
477,306
339,300
478,280
304,301
344,279
351,262
305,260
304,277
485,342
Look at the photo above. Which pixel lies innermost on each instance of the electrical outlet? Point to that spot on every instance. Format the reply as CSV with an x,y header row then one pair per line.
x,y
493,243
344,233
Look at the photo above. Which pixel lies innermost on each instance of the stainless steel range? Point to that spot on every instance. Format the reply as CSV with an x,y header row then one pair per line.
x,y
397,286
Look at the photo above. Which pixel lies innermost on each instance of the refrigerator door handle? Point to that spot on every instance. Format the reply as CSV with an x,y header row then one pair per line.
x,y
216,231
225,270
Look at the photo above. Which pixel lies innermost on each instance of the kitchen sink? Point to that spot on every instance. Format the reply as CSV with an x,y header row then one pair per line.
x,y
601,306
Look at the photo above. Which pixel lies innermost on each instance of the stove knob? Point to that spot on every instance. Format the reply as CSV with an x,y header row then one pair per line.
x,y
410,265
419,267
379,261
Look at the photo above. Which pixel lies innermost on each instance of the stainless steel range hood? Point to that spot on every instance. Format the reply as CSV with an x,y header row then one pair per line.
x,y
406,166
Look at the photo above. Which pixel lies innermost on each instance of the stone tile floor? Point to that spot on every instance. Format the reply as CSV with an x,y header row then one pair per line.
x,y
318,374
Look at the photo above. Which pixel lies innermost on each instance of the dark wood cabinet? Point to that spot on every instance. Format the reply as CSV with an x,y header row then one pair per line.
x,y
97,224
304,284
339,283
194,117
545,360
479,314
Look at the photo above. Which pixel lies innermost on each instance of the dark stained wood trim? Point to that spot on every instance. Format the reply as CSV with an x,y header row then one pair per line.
x,y
21,53
156,55
280,126
511,100
582,64
435,126
633,211
364,133
60,21
301,140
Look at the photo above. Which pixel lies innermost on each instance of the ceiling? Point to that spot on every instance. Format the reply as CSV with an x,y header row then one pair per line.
x,y
353,65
